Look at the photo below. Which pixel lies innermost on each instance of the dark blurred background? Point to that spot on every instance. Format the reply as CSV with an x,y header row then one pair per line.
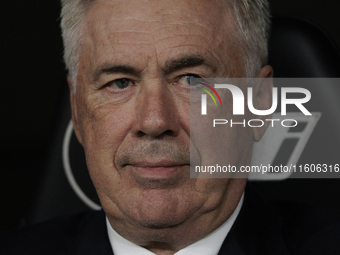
x,y
33,75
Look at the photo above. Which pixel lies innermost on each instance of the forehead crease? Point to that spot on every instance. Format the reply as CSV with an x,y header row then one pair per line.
x,y
141,18
140,29
158,12
118,28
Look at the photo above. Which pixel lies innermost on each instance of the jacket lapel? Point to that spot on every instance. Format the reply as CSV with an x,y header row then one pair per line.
x,y
91,237
256,231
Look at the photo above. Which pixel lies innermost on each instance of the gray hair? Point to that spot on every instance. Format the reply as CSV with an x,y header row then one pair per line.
x,y
252,19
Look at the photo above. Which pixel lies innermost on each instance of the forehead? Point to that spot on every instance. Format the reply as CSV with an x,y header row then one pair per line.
x,y
153,14
144,28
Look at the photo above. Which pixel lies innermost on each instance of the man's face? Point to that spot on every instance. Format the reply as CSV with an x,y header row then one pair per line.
x,y
131,110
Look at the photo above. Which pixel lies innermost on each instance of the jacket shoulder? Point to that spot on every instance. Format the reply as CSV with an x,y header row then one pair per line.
x,y
56,236
309,229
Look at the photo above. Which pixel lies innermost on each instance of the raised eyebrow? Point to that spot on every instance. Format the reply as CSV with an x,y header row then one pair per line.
x,y
111,69
186,62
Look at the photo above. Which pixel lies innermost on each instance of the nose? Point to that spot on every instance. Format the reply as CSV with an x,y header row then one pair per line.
x,y
157,114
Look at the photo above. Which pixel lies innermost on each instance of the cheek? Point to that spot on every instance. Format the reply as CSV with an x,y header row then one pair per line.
x,y
226,146
212,191
223,144
104,129
182,102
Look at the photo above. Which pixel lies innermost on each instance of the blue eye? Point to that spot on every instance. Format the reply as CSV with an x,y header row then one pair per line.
x,y
186,79
121,83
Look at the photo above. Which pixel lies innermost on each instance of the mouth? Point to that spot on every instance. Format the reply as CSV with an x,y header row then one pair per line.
x,y
158,170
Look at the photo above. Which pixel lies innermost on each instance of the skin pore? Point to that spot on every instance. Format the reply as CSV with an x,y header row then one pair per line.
x,y
131,113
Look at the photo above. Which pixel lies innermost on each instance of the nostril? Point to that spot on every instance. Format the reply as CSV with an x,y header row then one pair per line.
x,y
168,132
165,133
140,134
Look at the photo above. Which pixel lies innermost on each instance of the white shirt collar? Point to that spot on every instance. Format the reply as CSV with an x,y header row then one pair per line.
x,y
209,245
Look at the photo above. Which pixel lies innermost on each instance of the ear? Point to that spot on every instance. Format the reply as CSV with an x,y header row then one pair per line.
x,y
74,109
262,98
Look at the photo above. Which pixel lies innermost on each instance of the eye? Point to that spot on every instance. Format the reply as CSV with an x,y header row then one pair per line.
x,y
187,79
120,83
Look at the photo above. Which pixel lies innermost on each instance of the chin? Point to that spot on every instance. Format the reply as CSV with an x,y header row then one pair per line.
x,y
159,223
161,209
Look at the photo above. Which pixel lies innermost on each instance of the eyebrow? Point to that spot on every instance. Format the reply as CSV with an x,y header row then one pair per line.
x,y
111,69
185,62
170,66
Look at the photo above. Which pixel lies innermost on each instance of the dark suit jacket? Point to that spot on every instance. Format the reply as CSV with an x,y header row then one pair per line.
x,y
285,228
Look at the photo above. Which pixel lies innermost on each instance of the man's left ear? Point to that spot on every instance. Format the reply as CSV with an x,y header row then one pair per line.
x,y
262,98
